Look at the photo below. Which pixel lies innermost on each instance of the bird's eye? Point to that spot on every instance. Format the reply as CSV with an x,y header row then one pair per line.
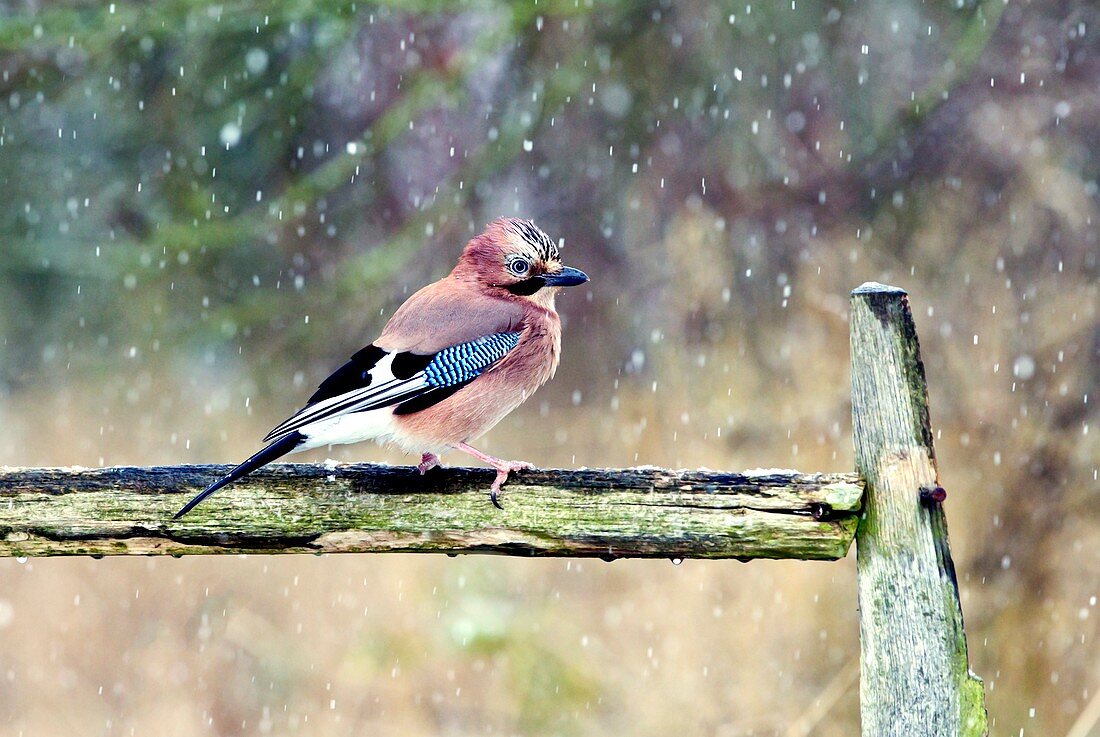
x,y
519,266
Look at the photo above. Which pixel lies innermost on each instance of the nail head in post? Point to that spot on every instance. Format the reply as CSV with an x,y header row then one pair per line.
x,y
930,495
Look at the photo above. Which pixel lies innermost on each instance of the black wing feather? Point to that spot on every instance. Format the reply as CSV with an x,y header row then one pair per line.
x,y
355,374
406,364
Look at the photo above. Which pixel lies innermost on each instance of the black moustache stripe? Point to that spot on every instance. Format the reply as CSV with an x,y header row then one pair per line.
x,y
527,287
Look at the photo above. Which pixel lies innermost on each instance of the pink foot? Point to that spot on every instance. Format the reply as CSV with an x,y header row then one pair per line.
x,y
503,469
428,461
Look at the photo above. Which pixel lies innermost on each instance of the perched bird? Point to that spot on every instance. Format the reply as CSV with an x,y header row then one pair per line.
x,y
455,358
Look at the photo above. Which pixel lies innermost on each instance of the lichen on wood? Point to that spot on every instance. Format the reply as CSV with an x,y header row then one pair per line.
x,y
311,508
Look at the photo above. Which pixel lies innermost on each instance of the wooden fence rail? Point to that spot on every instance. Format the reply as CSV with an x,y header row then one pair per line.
x,y
915,676
311,508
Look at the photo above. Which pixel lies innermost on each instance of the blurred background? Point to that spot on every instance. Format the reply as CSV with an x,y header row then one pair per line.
x,y
209,206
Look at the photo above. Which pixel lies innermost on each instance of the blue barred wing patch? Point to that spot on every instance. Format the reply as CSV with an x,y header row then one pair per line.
x,y
465,362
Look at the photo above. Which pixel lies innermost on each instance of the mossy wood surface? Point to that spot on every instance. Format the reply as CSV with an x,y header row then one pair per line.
x,y
310,508
915,677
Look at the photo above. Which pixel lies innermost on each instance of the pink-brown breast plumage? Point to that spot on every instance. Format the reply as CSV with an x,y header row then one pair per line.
x,y
477,407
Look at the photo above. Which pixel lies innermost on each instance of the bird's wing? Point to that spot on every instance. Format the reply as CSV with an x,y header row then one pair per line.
x,y
375,378
446,313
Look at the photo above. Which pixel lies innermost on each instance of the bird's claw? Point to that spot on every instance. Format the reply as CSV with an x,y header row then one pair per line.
x,y
428,461
505,468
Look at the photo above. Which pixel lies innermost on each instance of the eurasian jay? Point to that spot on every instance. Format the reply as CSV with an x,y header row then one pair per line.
x,y
455,358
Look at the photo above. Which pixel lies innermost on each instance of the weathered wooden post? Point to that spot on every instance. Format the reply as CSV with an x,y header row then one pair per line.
x,y
915,676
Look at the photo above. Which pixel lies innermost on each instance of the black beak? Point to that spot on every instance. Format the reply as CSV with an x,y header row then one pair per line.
x,y
567,277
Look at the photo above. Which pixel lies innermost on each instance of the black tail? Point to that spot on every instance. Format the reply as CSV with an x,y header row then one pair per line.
x,y
277,449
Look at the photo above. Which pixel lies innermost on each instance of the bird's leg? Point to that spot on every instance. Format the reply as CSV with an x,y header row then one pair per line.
x,y
428,461
503,468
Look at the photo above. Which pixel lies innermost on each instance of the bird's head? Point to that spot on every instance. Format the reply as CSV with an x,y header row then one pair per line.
x,y
515,256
